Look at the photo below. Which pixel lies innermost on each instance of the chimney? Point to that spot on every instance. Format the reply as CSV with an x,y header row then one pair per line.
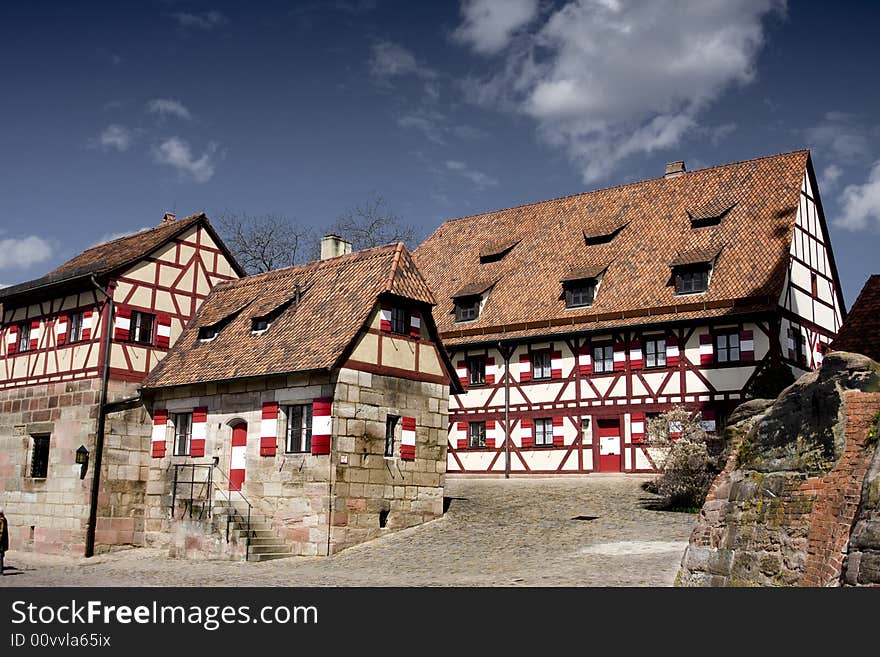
x,y
168,218
333,245
674,169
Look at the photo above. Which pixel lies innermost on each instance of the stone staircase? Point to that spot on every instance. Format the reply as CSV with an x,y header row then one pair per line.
x,y
265,543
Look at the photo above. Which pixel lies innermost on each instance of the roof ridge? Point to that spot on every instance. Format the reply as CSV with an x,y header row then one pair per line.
x,y
141,232
624,185
392,271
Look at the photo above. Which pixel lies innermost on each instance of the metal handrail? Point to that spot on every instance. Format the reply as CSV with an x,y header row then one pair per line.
x,y
229,506
206,485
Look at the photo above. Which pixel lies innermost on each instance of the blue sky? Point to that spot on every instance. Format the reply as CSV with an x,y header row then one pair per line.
x,y
113,113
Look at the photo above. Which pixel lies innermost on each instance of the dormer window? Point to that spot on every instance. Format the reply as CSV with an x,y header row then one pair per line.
x,y
496,250
692,279
467,309
469,299
259,325
580,285
692,269
399,323
710,214
207,333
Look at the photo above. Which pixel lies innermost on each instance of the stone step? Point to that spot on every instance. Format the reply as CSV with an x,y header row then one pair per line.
x,y
267,540
267,556
274,548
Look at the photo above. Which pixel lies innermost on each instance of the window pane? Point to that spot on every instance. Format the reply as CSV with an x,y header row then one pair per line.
x,y
390,430
722,355
477,371
734,353
398,320
40,457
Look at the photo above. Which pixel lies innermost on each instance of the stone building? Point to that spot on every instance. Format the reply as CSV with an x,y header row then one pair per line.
x,y
572,322
61,353
306,406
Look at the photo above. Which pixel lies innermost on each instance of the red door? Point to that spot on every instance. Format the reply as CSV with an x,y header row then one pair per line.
x,y
239,456
609,445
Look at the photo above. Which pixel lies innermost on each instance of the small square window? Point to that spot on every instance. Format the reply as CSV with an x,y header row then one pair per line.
x,y
182,433
74,332
477,434
24,336
603,359
40,457
391,423
541,365
727,348
476,371
259,324
544,431
398,321
692,279
299,428
467,310
655,352
580,293
141,327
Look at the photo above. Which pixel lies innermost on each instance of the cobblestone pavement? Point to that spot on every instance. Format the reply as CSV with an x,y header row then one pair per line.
x,y
517,532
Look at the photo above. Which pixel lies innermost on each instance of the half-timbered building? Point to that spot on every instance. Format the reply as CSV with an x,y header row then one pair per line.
x,y
62,354
572,321
306,406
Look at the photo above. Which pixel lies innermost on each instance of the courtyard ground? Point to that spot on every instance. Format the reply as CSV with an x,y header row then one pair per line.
x,y
517,532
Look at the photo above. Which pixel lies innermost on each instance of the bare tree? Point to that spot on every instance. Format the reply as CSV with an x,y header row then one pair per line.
x,y
373,224
266,242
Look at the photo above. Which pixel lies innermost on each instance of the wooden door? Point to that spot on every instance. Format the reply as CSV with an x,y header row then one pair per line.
x,y
238,459
609,445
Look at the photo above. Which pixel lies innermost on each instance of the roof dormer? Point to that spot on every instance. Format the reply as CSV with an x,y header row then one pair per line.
x,y
495,251
711,213
692,269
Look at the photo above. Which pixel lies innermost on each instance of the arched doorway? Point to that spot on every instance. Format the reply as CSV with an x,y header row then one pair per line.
x,y
238,458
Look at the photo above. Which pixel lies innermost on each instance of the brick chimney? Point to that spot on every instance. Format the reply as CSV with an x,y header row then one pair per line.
x,y
168,218
333,245
674,169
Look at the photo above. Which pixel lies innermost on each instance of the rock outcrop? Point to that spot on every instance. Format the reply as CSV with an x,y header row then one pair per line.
x,y
798,503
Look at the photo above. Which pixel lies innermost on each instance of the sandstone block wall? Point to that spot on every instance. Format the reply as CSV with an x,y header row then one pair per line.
x,y
51,514
796,494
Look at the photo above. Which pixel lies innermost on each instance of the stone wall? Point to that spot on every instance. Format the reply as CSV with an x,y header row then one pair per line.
x,y
370,489
51,514
319,504
782,511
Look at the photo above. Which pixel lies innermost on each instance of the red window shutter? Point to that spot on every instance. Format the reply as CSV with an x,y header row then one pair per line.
x,y
415,324
619,356
672,353
525,368
556,365
62,326
12,340
585,358
746,346
490,371
408,439
490,434
462,428
163,330
385,317
322,425
558,426
122,324
527,432
35,335
160,420
461,369
707,349
199,431
637,427
88,323
269,429
636,356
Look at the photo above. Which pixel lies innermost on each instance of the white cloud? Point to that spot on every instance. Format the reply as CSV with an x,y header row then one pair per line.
x,y
388,60
480,180
168,106
109,237
204,21
606,79
116,136
843,136
861,203
830,176
436,127
489,25
176,153
23,252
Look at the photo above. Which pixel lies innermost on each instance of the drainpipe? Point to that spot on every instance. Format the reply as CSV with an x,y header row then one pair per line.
x,y
102,420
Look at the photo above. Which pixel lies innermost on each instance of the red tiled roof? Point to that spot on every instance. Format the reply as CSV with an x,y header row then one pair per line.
x,y
338,295
750,270
860,332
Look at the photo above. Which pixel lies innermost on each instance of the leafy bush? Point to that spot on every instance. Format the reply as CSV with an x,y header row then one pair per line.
x,y
688,469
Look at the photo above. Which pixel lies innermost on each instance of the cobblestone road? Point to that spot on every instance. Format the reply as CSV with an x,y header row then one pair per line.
x,y
517,532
